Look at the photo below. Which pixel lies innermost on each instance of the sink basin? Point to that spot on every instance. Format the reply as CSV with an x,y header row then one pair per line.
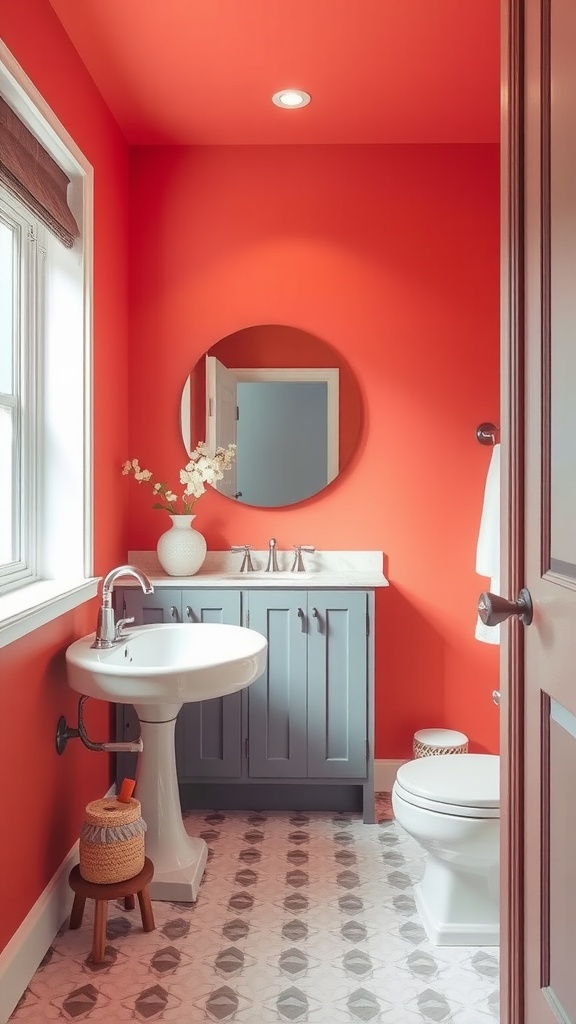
x,y
158,668
172,663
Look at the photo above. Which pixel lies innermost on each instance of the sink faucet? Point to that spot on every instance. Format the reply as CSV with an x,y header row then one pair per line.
x,y
298,564
108,632
272,559
247,565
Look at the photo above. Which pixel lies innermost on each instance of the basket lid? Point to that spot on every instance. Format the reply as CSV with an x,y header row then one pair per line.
x,y
109,812
440,737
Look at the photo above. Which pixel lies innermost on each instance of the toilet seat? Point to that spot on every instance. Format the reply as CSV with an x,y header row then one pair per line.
x,y
465,785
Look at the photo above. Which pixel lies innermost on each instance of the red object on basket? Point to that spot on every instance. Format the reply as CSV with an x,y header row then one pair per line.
x,y
126,790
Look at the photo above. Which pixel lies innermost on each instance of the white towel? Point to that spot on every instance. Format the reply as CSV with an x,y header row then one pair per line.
x,y
488,548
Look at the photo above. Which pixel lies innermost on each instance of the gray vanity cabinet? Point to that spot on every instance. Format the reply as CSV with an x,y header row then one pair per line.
x,y
299,735
307,715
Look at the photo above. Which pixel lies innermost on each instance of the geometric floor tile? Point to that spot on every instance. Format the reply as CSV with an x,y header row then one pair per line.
x,y
300,917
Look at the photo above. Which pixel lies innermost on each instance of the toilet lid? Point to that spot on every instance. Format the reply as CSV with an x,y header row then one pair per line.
x,y
460,780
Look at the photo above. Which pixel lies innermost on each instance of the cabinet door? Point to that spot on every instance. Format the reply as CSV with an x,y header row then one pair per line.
x,y
277,700
161,606
148,609
208,732
337,684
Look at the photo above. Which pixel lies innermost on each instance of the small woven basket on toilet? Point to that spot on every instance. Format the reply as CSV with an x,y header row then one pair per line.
x,y
428,742
112,841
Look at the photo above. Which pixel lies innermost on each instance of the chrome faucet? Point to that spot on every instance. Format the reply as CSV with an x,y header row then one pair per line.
x,y
247,565
298,565
109,632
272,559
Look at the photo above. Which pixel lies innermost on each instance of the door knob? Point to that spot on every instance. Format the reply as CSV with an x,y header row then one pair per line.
x,y
493,609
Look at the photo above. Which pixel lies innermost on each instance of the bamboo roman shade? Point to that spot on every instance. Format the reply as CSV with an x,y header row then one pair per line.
x,y
30,173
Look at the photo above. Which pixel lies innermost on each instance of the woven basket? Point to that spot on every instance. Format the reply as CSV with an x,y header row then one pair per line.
x,y
430,742
112,841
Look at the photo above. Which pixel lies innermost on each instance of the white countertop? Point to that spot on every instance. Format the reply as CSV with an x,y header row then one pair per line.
x,y
330,569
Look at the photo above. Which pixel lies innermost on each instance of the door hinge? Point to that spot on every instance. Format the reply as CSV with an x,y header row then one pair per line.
x,y
246,748
210,406
237,412
248,617
367,623
367,750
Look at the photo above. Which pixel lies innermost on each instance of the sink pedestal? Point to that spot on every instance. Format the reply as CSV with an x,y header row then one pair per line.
x,y
179,859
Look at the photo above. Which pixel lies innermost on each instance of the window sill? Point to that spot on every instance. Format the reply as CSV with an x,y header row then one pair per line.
x,y
32,606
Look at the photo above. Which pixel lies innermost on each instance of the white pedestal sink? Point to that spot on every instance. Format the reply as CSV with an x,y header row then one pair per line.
x,y
158,668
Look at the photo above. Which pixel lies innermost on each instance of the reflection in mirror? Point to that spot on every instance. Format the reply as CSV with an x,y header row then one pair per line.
x,y
287,400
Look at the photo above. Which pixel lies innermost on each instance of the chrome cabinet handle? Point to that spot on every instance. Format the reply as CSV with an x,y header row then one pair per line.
x,y
316,615
302,618
496,696
174,613
189,613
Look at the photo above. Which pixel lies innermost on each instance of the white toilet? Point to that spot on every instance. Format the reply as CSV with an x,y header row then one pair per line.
x,y
450,804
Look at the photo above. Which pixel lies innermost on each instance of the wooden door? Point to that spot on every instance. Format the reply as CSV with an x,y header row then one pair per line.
x,y
539,420
550,642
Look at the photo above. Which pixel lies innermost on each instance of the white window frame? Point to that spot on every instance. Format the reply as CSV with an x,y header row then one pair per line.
x,y
27,296
61,567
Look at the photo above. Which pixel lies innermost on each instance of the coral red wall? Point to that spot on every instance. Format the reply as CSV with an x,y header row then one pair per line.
x,y
43,795
391,254
388,253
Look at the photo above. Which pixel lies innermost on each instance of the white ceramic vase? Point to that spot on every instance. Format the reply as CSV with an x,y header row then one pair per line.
x,y
181,550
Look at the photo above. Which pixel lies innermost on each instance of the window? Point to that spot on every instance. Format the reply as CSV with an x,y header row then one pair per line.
x,y
21,290
45,385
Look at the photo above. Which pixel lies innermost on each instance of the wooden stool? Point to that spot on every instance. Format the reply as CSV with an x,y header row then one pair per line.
x,y
101,894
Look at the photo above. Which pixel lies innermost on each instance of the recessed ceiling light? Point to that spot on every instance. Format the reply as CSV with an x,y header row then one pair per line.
x,y
291,98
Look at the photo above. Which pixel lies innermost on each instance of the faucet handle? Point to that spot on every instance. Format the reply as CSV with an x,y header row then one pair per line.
x,y
298,565
247,565
119,635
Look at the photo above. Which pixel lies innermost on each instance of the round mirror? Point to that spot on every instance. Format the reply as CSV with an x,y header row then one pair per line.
x,y
287,400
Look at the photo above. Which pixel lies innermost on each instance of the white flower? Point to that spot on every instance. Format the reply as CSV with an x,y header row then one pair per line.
x,y
200,470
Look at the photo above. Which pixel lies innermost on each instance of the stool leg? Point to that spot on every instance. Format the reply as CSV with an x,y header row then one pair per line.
x,y
77,911
129,903
146,910
99,942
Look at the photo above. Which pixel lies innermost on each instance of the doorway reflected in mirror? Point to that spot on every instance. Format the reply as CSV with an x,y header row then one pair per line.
x,y
288,401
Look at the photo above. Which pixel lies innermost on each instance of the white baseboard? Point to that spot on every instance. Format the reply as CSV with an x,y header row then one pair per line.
x,y
19,960
385,773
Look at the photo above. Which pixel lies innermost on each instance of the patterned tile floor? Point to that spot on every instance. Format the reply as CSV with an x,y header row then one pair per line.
x,y
301,917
